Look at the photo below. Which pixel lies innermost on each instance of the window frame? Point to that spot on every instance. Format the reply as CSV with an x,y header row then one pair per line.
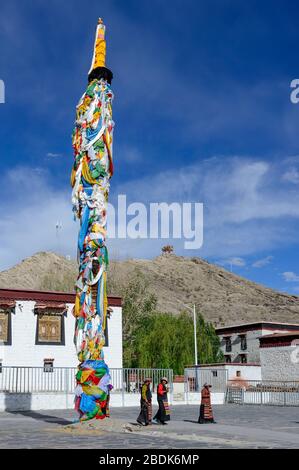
x,y
243,338
106,333
243,356
8,341
228,340
62,330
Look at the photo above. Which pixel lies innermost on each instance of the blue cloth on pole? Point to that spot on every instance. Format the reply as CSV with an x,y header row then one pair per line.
x,y
94,364
87,403
83,228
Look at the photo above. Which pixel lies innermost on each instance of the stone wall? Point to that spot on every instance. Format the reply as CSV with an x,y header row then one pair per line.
x,y
280,363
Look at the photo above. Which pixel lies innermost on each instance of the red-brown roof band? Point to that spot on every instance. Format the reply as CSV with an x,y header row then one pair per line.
x,y
279,339
244,327
10,295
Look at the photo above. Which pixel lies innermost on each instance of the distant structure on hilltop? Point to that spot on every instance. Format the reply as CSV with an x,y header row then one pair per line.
x,y
167,249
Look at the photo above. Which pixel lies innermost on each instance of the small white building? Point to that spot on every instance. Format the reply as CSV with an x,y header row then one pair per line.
x,y
240,343
37,330
280,356
232,372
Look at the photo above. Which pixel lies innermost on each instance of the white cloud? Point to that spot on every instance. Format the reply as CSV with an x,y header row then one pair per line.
x,y
289,276
291,175
29,217
54,155
261,263
234,261
246,211
129,154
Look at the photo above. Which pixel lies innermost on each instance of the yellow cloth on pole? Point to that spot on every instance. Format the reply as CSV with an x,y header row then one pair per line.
x,y
99,53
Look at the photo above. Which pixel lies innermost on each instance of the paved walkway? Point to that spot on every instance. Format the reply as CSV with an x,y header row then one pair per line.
x,y
237,427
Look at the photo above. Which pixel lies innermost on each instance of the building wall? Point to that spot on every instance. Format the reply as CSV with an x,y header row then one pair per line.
x,y
252,346
217,398
24,352
280,363
248,372
63,401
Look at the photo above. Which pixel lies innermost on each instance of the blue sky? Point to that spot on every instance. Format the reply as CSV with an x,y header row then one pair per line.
x,y
202,110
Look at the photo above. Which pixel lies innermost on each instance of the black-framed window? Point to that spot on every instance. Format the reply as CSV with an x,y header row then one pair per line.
x,y
228,359
228,344
243,342
50,329
5,327
106,333
243,358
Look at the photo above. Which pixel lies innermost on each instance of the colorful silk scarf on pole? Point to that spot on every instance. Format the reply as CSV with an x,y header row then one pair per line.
x,y
93,168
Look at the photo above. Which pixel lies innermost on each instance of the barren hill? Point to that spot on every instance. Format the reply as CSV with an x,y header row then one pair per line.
x,y
221,296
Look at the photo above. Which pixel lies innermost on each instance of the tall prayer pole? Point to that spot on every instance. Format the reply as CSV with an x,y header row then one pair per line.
x,y
90,179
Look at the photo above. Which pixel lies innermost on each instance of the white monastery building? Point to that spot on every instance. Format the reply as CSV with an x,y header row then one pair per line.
x,y
241,343
37,330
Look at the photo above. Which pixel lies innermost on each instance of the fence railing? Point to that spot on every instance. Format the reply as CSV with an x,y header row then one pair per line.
x,y
62,379
37,379
264,392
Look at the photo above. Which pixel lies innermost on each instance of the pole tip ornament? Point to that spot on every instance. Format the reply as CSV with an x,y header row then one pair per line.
x,y
98,67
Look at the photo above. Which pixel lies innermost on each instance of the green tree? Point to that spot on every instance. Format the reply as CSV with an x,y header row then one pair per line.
x,y
138,304
167,341
154,339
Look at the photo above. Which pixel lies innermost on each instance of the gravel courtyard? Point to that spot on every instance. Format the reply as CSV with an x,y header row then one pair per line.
x,y
237,427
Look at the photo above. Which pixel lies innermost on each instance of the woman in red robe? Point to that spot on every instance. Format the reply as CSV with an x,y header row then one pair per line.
x,y
163,413
206,411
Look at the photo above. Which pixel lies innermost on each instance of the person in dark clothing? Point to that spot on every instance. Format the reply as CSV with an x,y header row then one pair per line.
x,y
145,415
206,411
163,413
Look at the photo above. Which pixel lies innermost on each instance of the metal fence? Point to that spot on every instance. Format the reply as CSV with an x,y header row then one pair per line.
x,y
62,379
263,393
195,378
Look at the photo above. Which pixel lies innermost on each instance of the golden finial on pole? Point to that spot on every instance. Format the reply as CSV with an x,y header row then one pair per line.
x,y
99,51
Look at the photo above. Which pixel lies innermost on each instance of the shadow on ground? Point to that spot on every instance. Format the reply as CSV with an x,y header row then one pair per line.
x,y
42,417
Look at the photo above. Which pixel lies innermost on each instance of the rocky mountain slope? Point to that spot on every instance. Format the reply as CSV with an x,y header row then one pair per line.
x,y
221,296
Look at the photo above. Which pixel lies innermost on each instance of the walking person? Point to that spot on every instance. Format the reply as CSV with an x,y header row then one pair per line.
x,y
206,411
145,415
163,413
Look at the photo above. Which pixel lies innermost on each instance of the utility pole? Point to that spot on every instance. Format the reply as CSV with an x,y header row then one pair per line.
x,y
195,335
58,229
194,331
197,378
